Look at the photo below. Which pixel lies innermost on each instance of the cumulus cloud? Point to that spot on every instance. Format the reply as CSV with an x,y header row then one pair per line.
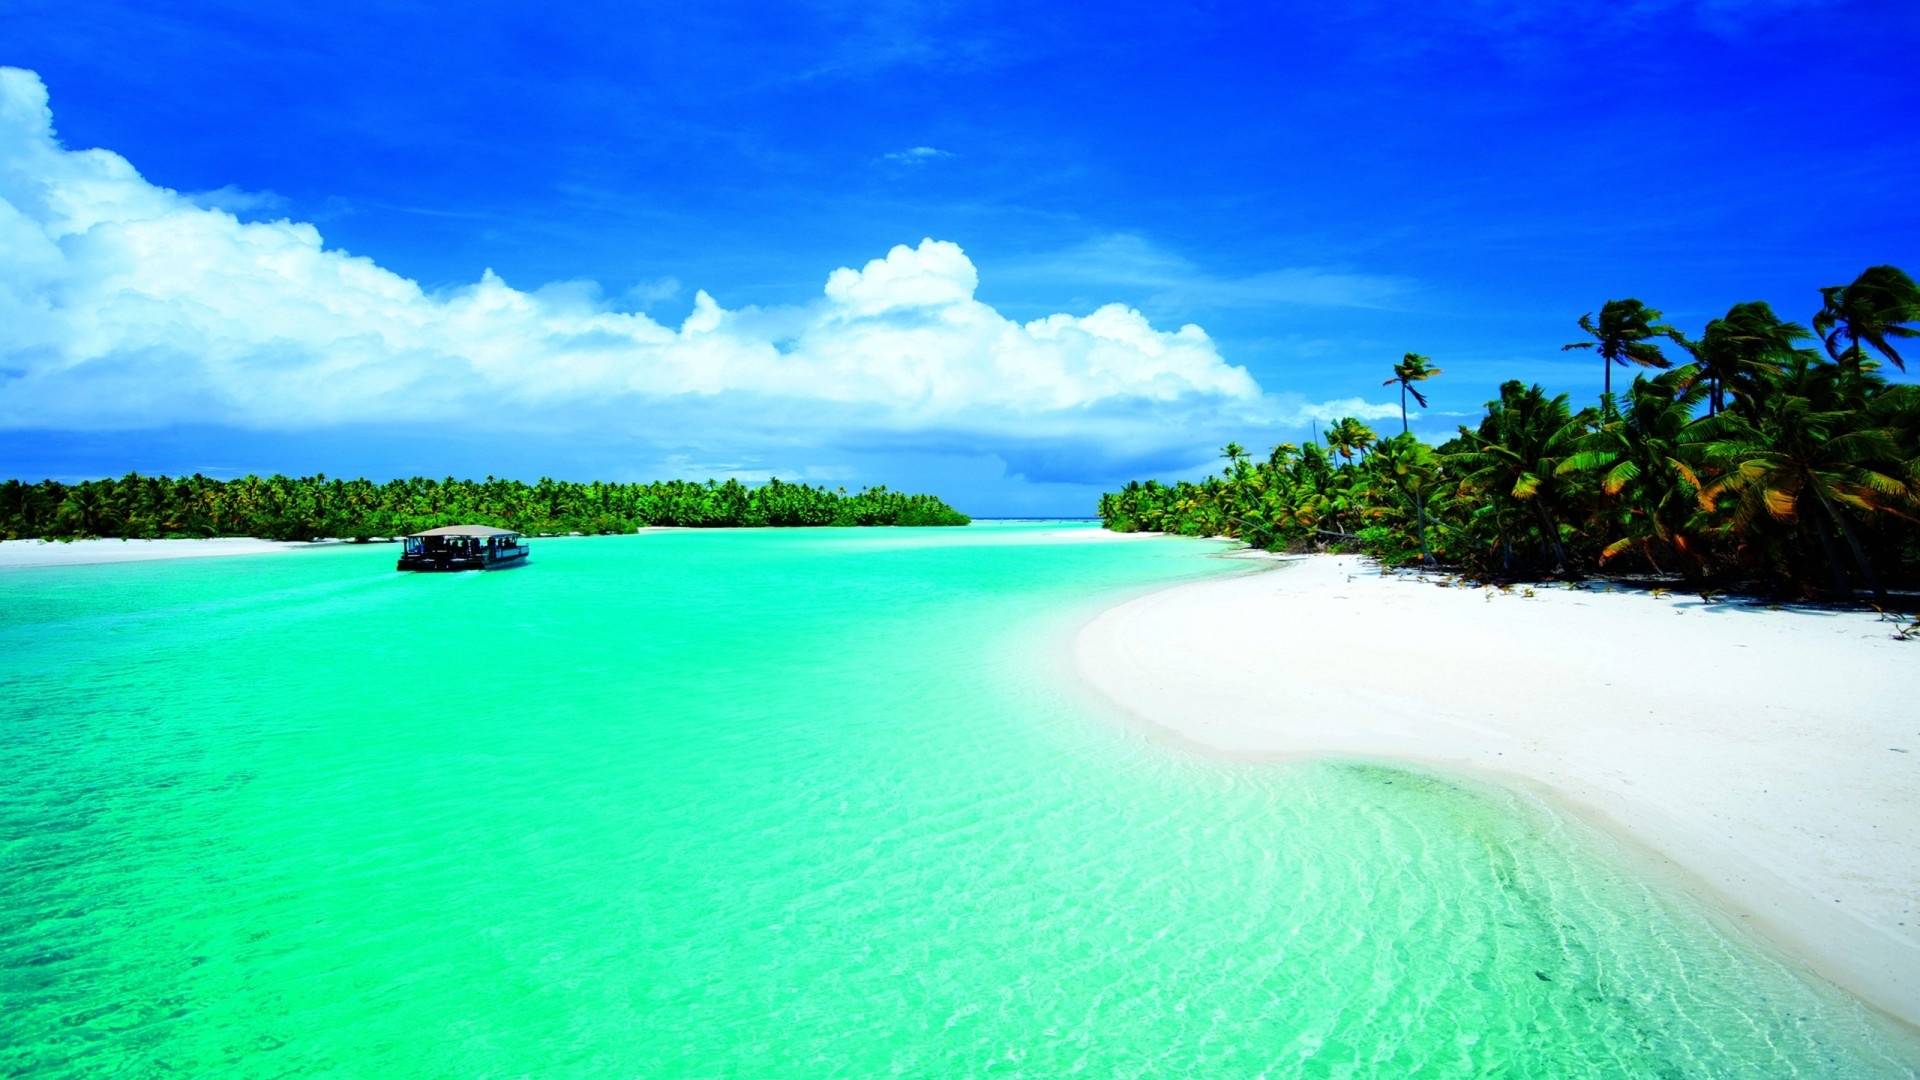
x,y
239,201
127,305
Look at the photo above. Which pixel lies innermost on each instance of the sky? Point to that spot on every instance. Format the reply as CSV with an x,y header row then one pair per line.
x,y
1010,254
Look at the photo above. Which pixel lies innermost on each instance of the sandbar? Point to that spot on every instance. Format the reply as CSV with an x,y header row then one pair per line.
x,y
1772,754
18,554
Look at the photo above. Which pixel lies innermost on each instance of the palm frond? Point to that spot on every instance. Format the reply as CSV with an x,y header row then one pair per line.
x,y
1781,503
1619,477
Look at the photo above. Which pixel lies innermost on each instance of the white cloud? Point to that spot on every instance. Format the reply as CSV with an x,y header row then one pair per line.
x,y
1170,282
128,305
239,201
1358,408
658,291
932,276
918,155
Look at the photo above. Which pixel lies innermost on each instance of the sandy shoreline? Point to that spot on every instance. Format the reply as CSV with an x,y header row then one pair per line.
x,y
1773,756
22,554
18,554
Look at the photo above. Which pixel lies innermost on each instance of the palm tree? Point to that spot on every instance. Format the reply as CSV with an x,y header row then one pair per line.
x,y
1737,351
1811,444
1645,461
1235,455
1514,459
1410,467
1349,436
87,510
22,509
1411,369
1624,335
1876,308
300,508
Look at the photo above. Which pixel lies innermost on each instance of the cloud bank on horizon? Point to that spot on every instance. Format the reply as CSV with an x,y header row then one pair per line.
x,y
126,305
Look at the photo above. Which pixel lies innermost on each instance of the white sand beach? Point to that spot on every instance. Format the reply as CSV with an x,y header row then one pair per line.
x,y
16,554
1772,755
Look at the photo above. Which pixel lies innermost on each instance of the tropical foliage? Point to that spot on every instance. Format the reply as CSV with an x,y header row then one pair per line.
x,y
1760,461
284,508
1876,310
1412,368
1624,335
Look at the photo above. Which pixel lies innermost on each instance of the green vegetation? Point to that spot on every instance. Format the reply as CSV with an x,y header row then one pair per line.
x,y
1760,460
283,508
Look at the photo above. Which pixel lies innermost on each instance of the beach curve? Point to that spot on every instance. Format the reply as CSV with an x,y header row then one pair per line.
x,y
1770,755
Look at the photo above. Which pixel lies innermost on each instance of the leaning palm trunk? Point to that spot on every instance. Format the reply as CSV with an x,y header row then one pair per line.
x,y
1853,544
1647,550
1505,548
1839,571
1553,537
1420,515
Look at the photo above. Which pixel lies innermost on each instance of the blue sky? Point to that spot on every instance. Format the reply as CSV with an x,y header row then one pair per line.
x,y
1318,188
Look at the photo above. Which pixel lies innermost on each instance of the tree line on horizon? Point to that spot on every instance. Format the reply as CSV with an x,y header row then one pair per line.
x,y
305,508
1741,456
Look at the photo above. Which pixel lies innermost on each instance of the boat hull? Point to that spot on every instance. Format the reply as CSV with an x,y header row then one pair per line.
x,y
436,561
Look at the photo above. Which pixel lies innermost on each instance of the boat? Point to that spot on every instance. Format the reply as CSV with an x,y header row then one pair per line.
x,y
463,547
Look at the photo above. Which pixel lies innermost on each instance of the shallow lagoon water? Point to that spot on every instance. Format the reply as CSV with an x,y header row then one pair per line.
x,y
776,803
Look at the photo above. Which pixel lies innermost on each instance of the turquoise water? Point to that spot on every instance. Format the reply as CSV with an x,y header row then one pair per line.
x,y
769,803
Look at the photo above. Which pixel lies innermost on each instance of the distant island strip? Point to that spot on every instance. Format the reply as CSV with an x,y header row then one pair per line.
x,y
307,508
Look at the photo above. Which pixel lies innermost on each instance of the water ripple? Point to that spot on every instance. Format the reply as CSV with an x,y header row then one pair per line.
x,y
767,804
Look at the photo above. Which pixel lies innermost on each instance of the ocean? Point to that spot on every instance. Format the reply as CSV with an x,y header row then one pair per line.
x,y
778,803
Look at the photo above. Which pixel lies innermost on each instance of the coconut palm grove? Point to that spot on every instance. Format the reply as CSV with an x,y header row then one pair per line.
x,y
287,508
1760,452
